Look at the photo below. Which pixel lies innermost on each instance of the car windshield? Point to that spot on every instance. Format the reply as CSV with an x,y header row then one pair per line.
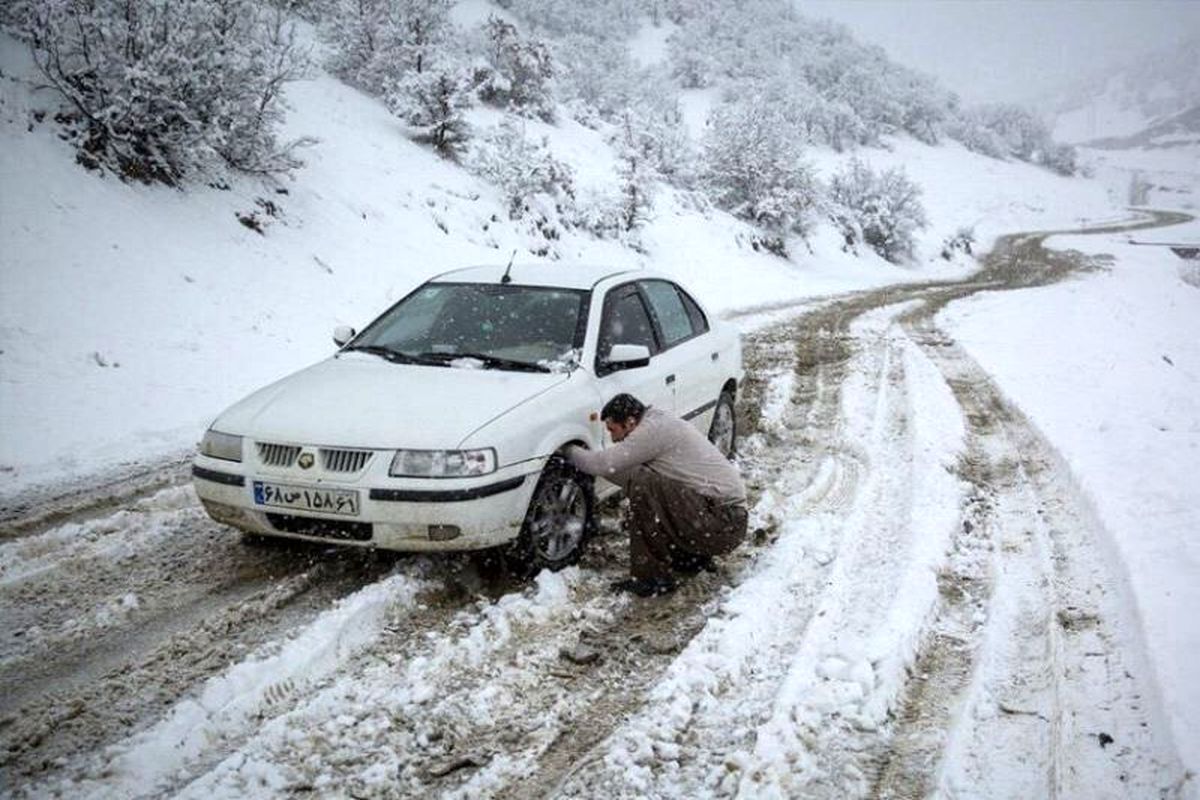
x,y
482,325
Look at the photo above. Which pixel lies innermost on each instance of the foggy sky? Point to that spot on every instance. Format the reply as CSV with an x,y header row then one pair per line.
x,y
1011,50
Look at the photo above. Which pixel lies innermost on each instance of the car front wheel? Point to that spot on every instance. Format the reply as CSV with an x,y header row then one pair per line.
x,y
723,430
558,522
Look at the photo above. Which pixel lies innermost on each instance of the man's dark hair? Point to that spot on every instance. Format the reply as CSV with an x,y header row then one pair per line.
x,y
621,408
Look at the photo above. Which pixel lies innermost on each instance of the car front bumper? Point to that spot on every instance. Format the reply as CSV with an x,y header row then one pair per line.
x,y
416,515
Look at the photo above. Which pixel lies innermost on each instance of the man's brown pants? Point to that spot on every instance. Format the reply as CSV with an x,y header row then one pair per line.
x,y
668,520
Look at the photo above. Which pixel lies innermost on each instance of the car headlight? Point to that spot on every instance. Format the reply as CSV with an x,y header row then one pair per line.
x,y
442,463
221,445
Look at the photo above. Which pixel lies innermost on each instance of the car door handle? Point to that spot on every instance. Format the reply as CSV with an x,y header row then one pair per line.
x,y
670,379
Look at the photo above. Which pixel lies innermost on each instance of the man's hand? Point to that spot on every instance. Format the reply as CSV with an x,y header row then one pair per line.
x,y
572,452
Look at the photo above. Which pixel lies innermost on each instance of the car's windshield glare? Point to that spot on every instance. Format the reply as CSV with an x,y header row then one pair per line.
x,y
518,323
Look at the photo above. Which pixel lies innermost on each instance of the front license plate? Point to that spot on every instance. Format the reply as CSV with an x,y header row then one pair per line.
x,y
327,501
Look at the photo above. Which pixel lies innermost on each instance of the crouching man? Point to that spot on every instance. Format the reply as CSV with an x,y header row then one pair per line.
x,y
687,503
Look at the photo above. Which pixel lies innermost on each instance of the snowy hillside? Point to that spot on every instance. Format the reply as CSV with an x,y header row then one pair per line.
x,y
1130,97
133,314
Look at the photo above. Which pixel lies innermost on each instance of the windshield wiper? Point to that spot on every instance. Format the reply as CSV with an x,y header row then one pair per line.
x,y
395,356
488,361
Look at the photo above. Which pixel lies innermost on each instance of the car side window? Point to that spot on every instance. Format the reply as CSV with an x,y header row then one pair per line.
x,y
699,323
625,321
673,320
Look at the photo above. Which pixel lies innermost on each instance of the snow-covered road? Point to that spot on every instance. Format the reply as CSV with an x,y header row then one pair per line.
x,y
923,609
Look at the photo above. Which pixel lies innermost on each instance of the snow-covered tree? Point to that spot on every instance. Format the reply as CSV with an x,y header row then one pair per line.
x,y
752,165
357,34
1024,135
1062,158
519,72
374,44
432,103
596,74
523,169
881,209
161,90
402,51
614,20
636,172
969,128
1004,129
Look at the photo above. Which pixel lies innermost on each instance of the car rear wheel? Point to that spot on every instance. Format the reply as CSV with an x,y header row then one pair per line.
x,y
559,520
723,430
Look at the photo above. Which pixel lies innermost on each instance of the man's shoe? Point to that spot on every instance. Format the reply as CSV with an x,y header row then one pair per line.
x,y
690,564
644,587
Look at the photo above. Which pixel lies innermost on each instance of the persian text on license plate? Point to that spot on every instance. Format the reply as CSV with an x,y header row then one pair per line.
x,y
326,501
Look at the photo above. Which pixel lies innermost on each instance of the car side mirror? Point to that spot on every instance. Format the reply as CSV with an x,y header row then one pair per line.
x,y
628,356
342,334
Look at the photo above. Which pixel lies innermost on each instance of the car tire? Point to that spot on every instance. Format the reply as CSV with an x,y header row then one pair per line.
x,y
560,519
722,431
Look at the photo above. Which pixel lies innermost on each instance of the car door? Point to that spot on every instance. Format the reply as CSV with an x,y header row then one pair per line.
x,y
686,352
625,319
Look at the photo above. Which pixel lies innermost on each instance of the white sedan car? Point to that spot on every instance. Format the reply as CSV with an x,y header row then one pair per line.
x,y
438,426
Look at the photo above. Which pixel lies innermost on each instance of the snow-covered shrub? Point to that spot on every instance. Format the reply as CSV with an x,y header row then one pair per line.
x,y
401,51
635,149
1062,158
432,104
524,170
663,138
1022,133
599,213
311,10
357,32
374,44
595,73
1003,129
962,241
924,107
970,128
162,90
752,166
854,94
615,20
881,209
518,73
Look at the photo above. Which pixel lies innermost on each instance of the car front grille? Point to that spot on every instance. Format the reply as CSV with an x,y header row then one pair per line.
x,y
277,455
344,460
324,528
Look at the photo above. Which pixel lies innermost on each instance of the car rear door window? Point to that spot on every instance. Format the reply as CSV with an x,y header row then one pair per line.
x,y
674,321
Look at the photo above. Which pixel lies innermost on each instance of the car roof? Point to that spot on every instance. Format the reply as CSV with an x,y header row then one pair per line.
x,y
567,276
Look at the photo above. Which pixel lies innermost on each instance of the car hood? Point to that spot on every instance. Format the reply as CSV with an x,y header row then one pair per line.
x,y
359,400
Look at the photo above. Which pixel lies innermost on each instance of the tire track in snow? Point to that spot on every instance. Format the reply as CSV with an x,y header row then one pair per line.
x,y
77,675
1023,686
1001,700
231,705
842,673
